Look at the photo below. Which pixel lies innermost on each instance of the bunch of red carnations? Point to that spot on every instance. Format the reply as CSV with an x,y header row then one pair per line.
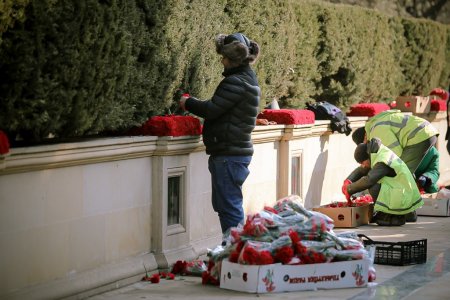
x,y
286,233
361,200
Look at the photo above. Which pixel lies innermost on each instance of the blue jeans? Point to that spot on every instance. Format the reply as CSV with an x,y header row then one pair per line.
x,y
228,173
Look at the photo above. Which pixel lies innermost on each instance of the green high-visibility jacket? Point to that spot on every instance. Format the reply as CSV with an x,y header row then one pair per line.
x,y
398,195
397,130
429,167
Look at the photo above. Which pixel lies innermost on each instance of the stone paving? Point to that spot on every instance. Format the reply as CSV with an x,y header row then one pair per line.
x,y
424,281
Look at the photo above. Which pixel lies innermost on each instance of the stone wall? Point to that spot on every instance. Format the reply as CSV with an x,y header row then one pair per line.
x,y
82,218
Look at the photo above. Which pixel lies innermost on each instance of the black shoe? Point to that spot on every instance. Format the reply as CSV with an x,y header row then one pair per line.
x,y
398,220
384,219
381,218
411,217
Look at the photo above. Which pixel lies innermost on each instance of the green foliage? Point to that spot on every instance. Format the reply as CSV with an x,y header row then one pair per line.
x,y
78,68
11,11
74,68
423,56
183,53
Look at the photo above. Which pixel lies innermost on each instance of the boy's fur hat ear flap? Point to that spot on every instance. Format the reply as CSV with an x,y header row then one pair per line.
x,y
219,42
235,51
240,50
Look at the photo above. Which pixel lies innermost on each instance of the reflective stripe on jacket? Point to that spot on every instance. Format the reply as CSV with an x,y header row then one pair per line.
x,y
398,195
397,130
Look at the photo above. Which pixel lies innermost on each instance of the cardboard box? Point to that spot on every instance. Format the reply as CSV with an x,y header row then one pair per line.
x,y
433,206
414,104
348,216
286,278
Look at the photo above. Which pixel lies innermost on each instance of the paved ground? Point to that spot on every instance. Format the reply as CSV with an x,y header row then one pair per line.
x,y
425,281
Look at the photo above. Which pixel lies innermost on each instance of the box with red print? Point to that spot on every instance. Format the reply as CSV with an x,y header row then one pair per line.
x,y
284,278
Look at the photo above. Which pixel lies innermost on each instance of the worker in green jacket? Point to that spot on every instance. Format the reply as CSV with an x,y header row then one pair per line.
x,y
389,181
427,173
409,136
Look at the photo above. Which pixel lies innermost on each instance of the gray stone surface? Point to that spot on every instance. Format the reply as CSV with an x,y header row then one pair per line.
x,y
424,281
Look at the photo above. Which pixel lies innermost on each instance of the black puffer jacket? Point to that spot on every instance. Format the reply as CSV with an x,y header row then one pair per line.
x,y
230,116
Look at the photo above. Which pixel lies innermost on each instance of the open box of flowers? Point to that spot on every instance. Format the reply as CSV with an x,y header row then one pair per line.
x,y
288,248
354,213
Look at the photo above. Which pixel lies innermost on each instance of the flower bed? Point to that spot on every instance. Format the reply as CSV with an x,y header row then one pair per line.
x,y
288,116
438,105
441,93
170,125
367,109
4,143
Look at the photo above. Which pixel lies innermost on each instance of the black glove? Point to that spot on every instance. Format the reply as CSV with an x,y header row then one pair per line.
x,y
422,181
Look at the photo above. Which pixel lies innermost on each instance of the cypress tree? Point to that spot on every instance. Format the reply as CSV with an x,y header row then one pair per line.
x,y
74,68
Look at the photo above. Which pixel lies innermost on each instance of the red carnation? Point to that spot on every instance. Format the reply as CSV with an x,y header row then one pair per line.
x,y
170,276
207,278
234,256
270,209
179,267
441,93
235,234
265,258
154,278
294,236
249,256
4,143
211,264
284,254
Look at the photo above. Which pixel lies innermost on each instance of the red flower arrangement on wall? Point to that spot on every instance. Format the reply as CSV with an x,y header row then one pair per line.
x,y
438,105
288,116
4,143
367,109
170,125
441,93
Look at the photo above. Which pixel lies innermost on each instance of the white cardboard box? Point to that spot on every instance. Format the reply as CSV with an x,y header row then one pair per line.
x,y
433,206
285,278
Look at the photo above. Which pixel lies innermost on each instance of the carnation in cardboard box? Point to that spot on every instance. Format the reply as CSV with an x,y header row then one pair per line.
x,y
358,212
284,278
288,248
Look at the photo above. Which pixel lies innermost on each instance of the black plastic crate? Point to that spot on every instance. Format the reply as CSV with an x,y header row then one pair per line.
x,y
398,253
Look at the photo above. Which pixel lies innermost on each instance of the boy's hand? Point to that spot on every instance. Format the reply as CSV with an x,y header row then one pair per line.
x,y
182,101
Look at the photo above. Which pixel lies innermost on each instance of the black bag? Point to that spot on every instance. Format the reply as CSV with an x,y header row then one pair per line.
x,y
327,111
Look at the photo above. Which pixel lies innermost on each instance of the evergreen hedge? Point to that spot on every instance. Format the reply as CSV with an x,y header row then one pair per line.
x,y
76,68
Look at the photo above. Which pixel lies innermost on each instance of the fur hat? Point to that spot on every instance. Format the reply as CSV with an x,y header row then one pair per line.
x,y
361,153
237,47
358,135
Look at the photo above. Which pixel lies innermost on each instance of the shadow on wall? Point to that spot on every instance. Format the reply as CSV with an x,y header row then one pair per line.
x,y
314,194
